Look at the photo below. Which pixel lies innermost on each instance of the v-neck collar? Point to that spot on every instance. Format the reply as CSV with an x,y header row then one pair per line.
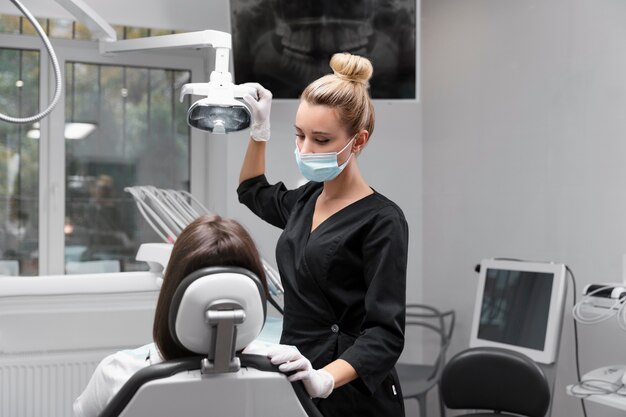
x,y
330,218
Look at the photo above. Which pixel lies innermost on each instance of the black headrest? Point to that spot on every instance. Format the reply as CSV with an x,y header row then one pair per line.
x,y
488,378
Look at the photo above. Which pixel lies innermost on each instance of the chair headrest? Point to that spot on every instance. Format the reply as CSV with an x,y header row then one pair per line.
x,y
216,288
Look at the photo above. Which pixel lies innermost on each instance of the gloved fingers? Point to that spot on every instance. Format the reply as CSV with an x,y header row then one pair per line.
x,y
256,86
283,357
280,349
261,92
251,101
247,89
259,100
299,376
297,365
264,94
283,353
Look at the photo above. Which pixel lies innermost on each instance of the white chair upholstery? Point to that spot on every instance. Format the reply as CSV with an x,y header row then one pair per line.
x,y
214,307
215,312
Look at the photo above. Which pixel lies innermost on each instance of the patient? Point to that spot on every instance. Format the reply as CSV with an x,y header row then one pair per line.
x,y
207,241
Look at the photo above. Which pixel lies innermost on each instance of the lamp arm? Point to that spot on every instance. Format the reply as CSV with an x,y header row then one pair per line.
x,y
88,16
109,43
222,55
200,39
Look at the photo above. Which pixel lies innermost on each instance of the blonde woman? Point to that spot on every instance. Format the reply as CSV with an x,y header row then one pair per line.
x,y
343,251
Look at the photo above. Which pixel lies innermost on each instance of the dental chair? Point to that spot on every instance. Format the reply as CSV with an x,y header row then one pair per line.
x,y
215,313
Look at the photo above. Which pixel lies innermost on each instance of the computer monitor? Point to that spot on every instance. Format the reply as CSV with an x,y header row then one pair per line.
x,y
519,306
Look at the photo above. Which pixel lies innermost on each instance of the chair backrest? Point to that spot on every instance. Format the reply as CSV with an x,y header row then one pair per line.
x,y
215,312
176,386
496,379
441,323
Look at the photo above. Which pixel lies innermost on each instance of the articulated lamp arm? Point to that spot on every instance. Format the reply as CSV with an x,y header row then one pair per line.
x,y
219,111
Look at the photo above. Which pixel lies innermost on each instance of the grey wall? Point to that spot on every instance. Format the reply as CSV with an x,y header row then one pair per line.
x,y
524,106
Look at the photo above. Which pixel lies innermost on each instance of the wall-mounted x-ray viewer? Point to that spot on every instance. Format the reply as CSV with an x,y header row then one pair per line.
x,y
519,306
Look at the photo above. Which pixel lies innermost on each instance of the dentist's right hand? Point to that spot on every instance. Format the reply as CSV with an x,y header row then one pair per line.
x,y
261,106
318,383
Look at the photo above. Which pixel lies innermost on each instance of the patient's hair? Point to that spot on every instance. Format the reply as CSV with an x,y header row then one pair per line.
x,y
209,240
346,90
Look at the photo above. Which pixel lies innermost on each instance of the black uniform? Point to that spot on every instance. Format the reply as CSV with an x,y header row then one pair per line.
x,y
345,286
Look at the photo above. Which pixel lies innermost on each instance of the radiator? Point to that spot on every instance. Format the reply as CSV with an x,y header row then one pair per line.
x,y
40,385
55,330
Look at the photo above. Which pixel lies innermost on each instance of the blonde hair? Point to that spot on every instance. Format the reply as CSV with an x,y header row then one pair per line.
x,y
346,90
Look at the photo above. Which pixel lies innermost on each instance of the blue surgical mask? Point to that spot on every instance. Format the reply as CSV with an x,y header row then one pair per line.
x,y
320,167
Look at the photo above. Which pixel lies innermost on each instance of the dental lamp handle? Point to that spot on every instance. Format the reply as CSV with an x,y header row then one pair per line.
x,y
260,105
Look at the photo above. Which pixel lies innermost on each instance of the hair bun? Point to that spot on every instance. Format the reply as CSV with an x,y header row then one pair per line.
x,y
353,68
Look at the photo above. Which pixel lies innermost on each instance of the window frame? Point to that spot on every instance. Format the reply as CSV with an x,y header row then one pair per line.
x,y
52,179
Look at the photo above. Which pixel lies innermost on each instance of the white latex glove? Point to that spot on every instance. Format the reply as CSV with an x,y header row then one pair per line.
x,y
260,106
318,382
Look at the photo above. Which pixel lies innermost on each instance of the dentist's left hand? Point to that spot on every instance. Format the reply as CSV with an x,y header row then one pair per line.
x,y
318,382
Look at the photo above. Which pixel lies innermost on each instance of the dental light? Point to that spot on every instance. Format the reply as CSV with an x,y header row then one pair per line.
x,y
218,112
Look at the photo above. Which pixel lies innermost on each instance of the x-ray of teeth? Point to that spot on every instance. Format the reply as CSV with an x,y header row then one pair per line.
x,y
285,44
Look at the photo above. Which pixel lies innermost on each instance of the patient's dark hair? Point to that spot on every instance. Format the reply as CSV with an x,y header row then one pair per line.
x,y
209,240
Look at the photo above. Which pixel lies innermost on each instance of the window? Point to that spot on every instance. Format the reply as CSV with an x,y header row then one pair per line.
x,y
19,155
121,124
124,127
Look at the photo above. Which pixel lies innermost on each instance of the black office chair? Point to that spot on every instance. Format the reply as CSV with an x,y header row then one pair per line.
x,y
417,379
499,380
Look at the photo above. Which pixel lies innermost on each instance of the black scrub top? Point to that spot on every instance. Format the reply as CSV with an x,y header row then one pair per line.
x,y
345,287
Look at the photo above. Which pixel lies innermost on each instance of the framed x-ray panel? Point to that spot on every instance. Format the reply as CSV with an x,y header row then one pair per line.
x,y
286,44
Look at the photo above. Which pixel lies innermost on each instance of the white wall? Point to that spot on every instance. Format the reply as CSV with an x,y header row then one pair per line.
x,y
524,106
178,15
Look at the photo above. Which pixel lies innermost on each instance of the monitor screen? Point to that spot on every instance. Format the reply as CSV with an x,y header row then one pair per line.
x,y
519,305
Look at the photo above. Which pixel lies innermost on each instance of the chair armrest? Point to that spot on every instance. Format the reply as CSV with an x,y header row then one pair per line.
x,y
145,375
263,363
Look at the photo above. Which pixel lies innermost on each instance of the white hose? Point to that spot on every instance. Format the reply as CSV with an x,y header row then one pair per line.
x,y
621,316
593,318
55,65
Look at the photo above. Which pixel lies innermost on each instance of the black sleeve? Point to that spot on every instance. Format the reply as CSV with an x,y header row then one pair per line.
x,y
381,340
272,203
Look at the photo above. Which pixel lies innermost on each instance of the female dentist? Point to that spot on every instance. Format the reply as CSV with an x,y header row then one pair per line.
x,y
343,251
